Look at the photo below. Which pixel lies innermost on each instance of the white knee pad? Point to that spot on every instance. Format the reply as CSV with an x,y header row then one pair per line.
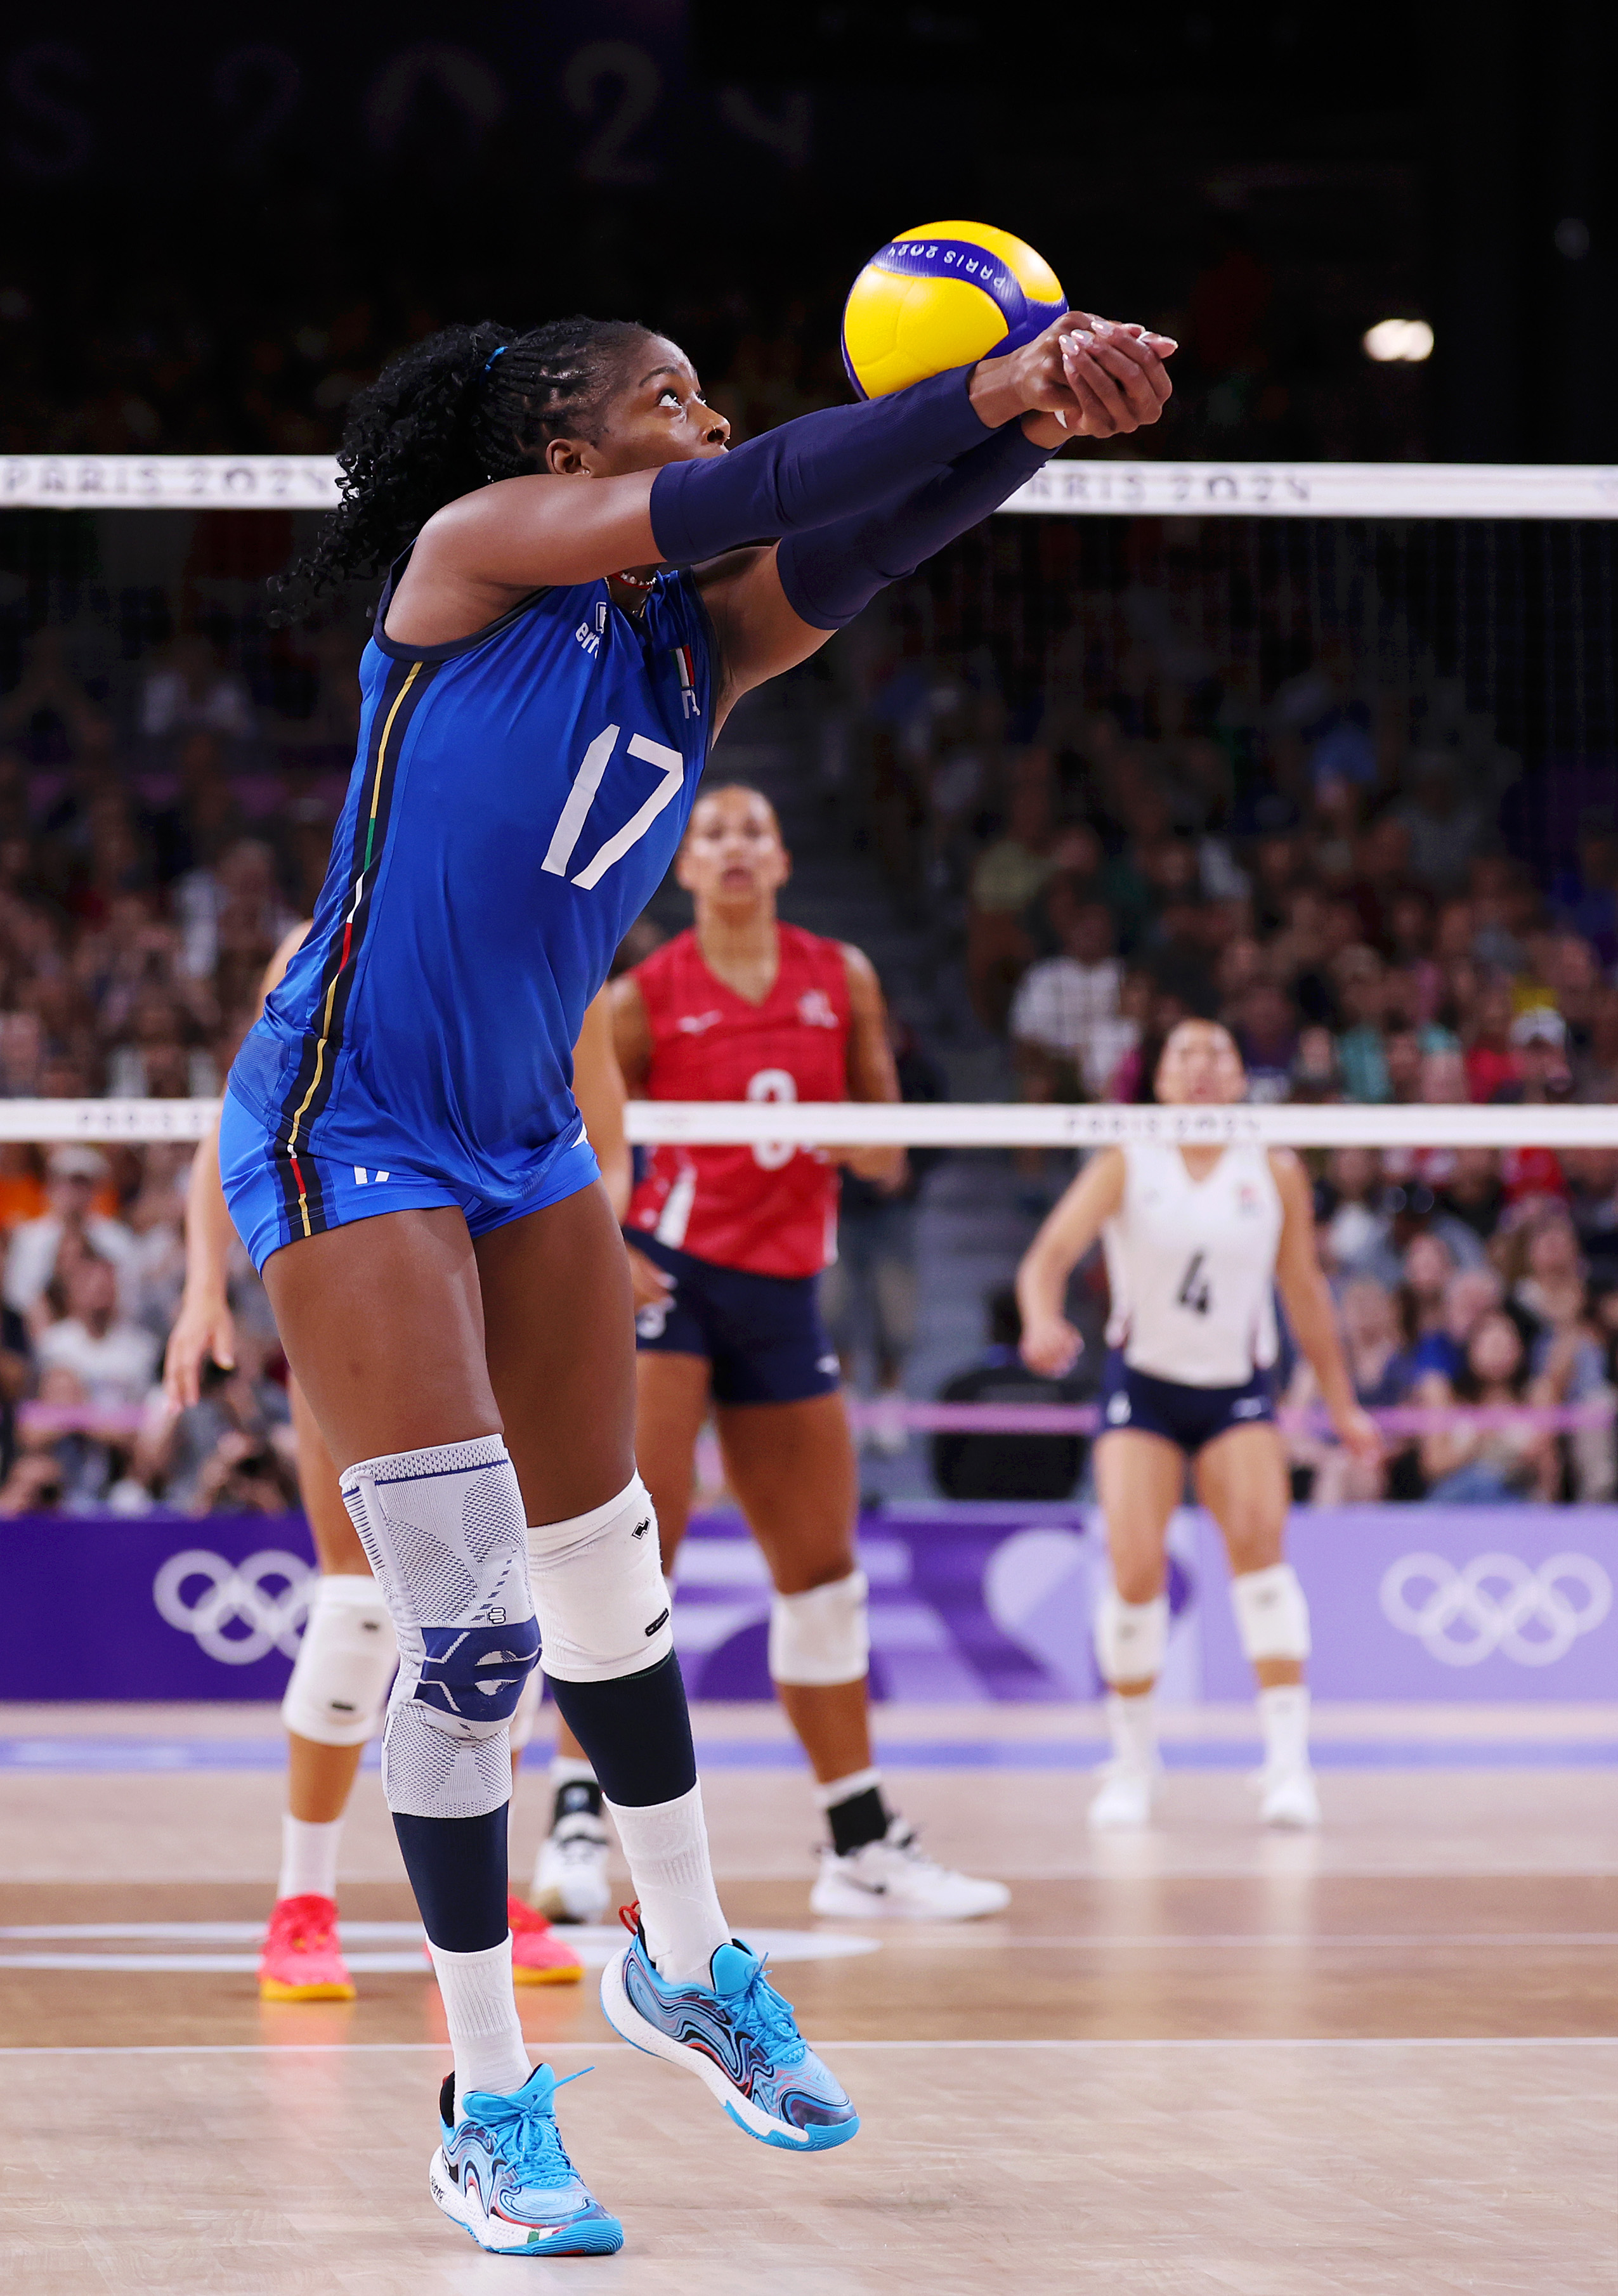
x,y
1271,1613
520,1727
1131,1639
443,1530
823,1636
345,1662
598,1590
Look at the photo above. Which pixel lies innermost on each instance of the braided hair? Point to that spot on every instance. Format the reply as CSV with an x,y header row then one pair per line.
x,y
463,407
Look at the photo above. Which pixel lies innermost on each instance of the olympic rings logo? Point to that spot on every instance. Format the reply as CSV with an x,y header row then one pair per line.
x,y
1496,1603
236,1593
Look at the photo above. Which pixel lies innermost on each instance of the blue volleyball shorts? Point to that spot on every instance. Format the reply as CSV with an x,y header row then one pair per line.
x,y
275,1199
762,1336
1190,1416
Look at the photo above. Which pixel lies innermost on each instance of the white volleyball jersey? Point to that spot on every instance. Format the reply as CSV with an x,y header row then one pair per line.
x,y
1192,1266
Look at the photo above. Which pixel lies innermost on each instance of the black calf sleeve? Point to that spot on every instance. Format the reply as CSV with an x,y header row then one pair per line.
x,y
637,1731
457,1869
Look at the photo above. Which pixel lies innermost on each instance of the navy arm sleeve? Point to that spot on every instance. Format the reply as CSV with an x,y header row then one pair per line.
x,y
829,573
822,466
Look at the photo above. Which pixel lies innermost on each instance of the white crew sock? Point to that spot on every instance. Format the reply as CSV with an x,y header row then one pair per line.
x,y
571,1770
858,1781
308,1857
1284,1713
1132,1723
481,2011
666,1844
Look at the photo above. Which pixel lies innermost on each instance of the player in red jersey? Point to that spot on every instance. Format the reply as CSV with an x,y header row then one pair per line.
x,y
727,1244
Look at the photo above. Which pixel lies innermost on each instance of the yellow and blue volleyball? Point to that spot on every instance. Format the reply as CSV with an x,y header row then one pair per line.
x,y
939,296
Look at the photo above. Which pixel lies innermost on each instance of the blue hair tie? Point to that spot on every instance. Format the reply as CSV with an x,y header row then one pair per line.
x,y
493,356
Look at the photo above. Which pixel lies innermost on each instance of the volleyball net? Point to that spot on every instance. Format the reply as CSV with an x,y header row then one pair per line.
x,y
936,1125
988,1139
1277,650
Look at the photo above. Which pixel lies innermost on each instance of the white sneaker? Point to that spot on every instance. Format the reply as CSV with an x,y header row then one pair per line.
x,y
571,1878
893,1880
1122,1803
1290,1798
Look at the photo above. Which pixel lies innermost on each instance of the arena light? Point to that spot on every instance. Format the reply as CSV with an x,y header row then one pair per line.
x,y
1397,341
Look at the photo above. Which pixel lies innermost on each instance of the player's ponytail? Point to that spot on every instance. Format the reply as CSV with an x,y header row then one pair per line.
x,y
466,406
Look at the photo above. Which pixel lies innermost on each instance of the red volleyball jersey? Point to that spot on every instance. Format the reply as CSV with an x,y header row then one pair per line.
x,y
772,1208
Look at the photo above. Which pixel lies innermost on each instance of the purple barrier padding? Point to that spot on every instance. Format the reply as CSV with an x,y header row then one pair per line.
x,y
1469,1603
968,1603
82,1616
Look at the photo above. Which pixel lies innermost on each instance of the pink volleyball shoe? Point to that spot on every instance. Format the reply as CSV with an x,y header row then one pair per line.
x,y
302,1959
538,1955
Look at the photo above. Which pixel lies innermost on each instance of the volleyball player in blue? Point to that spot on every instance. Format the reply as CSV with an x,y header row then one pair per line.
x,y
584,580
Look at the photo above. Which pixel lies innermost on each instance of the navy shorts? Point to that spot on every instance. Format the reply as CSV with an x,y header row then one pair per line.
x,y
761,1334
274,1200
1189,1416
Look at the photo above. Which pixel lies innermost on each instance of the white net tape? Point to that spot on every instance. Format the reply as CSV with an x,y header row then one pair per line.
x,y
954,1124
1095,487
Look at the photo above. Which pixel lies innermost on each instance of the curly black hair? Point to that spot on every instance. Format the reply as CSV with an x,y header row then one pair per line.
x,y
463,407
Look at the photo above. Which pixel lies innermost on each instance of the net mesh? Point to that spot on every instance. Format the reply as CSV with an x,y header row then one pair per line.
x,y
1247,656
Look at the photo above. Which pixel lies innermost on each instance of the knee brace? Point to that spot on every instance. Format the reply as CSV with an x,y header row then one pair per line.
x,y
344,1665
823,1636
1131,1639
603,1608
443,1530
1271,1613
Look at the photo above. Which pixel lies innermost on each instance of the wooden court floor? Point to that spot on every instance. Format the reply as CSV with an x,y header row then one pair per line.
x,y
1209,2060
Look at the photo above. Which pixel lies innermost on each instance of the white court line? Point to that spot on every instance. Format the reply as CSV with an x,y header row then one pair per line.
x,y
207,1932
1238,1939
623,2048
831,1944
595,1947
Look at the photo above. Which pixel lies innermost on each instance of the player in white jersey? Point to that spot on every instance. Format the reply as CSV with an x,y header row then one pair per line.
x,y
1196,1242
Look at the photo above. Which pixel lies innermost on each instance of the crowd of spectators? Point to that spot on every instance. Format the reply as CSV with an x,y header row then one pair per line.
x,y
1320,866
154,848
1326,873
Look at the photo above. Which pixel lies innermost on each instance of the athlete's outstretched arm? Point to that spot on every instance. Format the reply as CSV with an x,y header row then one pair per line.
x,y
204,1330
691,500
780,605
871,1073
632,1045
1050,1344
1307,1301
598,1088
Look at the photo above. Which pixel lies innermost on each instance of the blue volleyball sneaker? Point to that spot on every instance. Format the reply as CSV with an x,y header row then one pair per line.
x,y
502,2172
738,2036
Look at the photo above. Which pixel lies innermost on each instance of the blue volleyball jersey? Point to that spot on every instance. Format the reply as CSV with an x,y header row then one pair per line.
x,y
515,801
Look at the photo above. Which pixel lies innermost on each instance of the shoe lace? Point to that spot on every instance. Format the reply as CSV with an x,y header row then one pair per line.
x,y
295,1924
906,1845
529,2141
768,2015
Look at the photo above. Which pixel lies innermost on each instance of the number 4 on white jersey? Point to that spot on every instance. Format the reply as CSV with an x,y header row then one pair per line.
x,y
582,796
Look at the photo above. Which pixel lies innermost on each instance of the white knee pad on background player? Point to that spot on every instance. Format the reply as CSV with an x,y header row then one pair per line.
x,y
1131,1639
443,1530
598,1589
823,1636
1271,1614
344,1665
